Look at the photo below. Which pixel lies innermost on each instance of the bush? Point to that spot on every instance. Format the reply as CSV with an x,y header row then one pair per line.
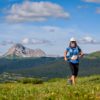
x,y
31,80
54,79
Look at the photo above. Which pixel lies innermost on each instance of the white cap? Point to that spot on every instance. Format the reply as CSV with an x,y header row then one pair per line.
x,y
72,39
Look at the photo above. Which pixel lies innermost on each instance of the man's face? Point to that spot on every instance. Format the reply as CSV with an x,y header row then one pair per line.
x,y
72,44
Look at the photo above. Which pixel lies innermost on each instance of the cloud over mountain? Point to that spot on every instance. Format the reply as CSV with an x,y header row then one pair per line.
x,y
26,41
34,41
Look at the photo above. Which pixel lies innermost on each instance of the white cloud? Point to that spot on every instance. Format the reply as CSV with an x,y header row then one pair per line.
x,y
92,1
51,28
26,41
35,11
88,40
34,41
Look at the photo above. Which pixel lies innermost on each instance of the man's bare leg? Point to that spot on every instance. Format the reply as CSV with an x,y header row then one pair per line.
x,y
73,79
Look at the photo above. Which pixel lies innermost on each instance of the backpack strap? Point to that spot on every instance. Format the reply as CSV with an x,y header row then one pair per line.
x,y
79,49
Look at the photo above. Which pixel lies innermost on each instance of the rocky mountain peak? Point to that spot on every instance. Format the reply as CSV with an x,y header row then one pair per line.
x,y
21,51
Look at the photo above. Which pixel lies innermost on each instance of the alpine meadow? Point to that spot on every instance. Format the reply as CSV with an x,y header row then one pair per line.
x,y
49,49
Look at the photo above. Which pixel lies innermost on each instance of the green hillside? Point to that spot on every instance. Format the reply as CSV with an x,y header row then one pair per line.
x,y
45,78
87,88
95,55
49,67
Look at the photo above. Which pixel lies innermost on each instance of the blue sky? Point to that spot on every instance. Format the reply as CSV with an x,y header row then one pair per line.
x,y
49,24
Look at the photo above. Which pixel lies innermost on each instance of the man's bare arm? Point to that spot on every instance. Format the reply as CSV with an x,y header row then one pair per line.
x,y
81,54
65,53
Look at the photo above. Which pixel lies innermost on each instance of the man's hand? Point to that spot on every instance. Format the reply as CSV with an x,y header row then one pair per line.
x,y
81,55
65,58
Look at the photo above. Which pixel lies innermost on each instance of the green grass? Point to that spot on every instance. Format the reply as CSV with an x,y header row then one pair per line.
x,y
87,88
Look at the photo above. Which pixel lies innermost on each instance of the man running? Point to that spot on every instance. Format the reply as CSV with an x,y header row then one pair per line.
x,y
72,55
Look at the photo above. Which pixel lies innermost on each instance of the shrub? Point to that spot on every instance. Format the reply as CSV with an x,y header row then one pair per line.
x,y
31,80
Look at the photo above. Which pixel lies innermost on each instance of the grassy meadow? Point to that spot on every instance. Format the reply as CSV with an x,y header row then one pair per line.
x,y
87,88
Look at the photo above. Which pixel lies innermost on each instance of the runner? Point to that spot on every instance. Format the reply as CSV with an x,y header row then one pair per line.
x,y
72,54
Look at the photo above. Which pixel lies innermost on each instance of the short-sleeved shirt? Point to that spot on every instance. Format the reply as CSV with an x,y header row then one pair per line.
x,y
73,52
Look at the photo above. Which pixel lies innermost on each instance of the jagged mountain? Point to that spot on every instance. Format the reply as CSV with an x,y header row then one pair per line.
x,y
19,50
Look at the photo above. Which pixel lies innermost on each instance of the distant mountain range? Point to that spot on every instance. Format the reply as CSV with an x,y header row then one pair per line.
x,y
18,50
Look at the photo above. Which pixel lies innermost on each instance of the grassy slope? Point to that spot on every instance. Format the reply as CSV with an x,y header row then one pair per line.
x,y
60,68
48,67
87,88
95,54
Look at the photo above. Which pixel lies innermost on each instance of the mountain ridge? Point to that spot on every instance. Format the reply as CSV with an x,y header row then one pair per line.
x,y
18,50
